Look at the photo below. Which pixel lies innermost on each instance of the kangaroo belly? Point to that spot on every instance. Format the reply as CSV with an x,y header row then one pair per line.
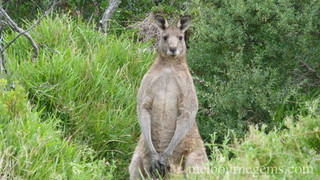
x,y
165,109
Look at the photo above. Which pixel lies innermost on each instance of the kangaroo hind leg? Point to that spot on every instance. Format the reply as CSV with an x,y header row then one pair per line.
x,y
136,168
196,161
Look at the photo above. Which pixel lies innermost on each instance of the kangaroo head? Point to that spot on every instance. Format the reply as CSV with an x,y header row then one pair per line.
x,y
172,43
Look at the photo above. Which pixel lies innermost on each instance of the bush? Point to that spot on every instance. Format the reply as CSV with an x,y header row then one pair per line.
x,y
250,61
33,149
291,153
89,10
88,80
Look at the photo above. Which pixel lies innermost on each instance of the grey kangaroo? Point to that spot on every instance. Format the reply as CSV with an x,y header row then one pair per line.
x,y
167,108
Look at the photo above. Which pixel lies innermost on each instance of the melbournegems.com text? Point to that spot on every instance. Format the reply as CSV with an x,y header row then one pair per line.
x,y
252,170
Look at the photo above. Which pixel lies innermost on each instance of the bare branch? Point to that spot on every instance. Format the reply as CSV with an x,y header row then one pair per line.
x,y
304,64
315,33
2,60
2,23
298,147
310,132
20,31
113,4
24,32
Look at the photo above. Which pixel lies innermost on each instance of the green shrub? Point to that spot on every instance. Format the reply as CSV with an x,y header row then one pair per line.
x,y
292,153
87,79
247,58
33,149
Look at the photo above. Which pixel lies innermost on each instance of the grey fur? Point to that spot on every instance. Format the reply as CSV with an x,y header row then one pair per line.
x,y
167,108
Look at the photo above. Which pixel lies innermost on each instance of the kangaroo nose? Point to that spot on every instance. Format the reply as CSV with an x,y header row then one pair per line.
x,y
173,49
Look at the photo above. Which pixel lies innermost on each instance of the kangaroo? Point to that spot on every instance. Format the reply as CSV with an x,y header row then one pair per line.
x,y
167,107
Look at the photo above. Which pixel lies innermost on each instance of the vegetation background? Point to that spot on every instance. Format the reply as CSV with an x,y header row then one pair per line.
x,y
71,113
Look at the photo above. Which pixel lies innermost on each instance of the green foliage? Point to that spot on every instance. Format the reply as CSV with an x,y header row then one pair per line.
x,y
173,9
248,58
87,79
127,12
33,149
13,102
84,9
21,10
292,153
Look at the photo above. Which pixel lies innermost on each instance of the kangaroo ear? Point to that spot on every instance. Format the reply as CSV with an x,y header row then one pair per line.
x,y
184,23
161,22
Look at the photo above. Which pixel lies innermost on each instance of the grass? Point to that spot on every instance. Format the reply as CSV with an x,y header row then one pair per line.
x,y
87,79
34,149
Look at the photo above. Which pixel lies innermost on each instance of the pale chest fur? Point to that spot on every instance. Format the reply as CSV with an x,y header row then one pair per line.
x,y
165,91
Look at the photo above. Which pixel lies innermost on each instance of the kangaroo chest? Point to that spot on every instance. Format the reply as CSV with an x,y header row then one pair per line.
x,y
165,92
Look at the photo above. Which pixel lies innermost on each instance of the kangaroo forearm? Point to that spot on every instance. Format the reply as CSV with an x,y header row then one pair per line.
x,y
148,141
145,124
181,130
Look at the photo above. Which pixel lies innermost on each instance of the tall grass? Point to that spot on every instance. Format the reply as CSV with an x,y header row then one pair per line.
x,y
33,149
87,79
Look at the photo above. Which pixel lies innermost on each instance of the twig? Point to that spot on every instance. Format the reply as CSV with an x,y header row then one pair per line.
x,y
2,60
304,64
24,32
310,132
315,33
299,150
20,31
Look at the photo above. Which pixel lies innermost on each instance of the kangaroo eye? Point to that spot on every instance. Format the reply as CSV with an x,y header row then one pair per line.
x,y
165,38
180,38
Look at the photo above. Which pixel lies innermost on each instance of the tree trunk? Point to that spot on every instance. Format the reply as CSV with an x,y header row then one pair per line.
x,y
113,4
